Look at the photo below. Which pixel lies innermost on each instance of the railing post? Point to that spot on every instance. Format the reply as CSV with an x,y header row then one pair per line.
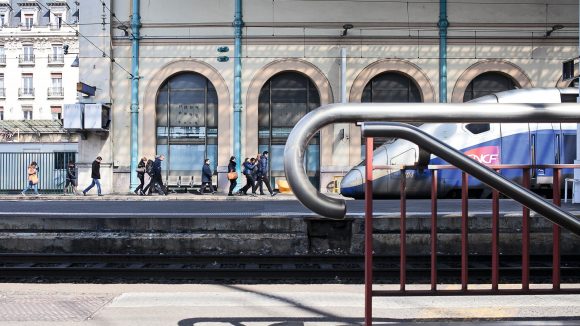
x,y
434,231
556,233
464,226
403,233
526,236
495,240
369,232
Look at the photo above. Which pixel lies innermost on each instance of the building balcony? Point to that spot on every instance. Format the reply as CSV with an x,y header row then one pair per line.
x,y
26,27
2,60
2,92
26,59
55,27
56,59
55,92
26,92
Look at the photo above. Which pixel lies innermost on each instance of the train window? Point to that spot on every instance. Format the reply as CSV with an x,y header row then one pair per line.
x,y
569,98
477,128
488,83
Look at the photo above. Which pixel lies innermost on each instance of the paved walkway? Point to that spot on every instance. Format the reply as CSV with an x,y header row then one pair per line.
x,y
185,305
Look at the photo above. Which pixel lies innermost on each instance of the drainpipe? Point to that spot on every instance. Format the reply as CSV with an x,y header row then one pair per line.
x,y
135,25
443,25
238,25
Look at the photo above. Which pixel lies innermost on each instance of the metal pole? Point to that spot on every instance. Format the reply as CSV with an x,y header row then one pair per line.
x,y
343,75
135,26
238,25
369,233
443,25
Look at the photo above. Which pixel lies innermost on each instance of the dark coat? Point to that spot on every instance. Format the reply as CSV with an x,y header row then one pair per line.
x,y
206,173
141,165
71,173
263,165
96,170
249,168
157,167
232,166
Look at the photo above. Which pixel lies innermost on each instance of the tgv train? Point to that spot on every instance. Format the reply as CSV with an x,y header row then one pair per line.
x,y
495,143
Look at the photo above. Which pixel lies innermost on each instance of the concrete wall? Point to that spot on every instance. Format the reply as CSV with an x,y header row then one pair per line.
x,y
305,37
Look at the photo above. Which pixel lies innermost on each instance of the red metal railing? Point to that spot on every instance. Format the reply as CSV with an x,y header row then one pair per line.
x,y
495,275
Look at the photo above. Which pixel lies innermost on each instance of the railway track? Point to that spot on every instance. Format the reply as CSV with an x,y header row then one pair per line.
x,y
274,269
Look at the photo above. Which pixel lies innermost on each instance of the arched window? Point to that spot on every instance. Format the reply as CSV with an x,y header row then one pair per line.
x,y
187,121
488,83
389,87
284,100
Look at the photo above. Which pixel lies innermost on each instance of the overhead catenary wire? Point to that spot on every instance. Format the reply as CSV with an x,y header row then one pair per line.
x,y
88,40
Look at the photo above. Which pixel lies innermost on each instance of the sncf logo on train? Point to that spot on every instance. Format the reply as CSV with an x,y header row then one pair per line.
x,y
485,154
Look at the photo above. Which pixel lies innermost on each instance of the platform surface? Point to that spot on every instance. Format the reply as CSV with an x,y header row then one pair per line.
x,y
207,206
184,305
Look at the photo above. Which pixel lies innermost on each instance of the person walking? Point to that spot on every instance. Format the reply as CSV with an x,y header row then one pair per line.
x,y
148,178
96,176
32,172
248,171
263,166
232,175
141,176
71,179
206,177
157,176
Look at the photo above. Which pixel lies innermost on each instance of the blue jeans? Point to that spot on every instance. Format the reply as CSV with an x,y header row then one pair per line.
x,y
95,182
31,186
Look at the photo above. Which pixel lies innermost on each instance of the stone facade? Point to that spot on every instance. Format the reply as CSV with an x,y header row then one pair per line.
x,y
307,37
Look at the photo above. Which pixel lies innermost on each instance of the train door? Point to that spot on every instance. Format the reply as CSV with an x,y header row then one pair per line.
x,y
545,149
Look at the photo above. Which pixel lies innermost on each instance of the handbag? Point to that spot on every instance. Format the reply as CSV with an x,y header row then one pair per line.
x,y
232,175
140,170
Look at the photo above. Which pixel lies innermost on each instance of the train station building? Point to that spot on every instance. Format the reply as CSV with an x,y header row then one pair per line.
x,y
296,56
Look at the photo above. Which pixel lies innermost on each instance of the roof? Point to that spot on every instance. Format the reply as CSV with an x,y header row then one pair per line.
x,y
32,126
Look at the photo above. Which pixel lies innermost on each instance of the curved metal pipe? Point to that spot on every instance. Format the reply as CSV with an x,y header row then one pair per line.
x,y
475,169
307,127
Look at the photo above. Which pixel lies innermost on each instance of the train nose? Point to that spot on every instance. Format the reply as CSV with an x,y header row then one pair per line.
x,y
352,183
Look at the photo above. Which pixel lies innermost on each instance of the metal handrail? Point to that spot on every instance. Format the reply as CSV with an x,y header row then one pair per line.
x,y
473,168
309,125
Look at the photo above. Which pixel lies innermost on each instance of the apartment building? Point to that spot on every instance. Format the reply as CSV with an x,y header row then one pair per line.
x,y
38,58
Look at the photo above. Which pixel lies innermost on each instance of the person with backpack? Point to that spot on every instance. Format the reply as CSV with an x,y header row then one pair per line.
x,y
248,171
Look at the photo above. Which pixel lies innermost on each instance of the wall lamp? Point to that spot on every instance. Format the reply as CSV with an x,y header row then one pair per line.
x,y
553,29
346,28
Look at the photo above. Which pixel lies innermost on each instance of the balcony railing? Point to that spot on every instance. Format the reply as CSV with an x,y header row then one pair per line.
x,y
25,27
26,92
56,59
55,92
2,59
2,92
26,59
55,27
